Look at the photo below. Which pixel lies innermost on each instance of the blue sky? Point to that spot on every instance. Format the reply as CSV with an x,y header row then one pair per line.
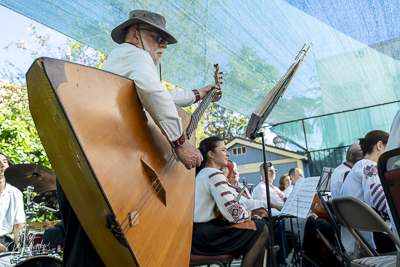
x,y
15,27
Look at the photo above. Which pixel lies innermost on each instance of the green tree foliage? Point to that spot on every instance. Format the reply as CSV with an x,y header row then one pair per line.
x,y
252,77
43,46
19,138
219,121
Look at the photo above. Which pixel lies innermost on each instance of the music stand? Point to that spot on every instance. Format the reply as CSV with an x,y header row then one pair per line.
x,y
324,184
257,119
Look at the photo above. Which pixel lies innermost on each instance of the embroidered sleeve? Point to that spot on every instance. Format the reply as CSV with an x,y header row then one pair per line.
x,y
197,94
225,200
377,196
179,141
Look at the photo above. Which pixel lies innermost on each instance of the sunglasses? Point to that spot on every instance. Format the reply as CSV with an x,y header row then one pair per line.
x,y
160,36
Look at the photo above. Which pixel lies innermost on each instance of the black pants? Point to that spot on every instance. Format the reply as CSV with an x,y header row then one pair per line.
x,y
383,243
78,250
314,249
282,238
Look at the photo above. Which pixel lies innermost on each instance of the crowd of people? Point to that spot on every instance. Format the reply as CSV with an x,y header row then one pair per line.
x,y
228,218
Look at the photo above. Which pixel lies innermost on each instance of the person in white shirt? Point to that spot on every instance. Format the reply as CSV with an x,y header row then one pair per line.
x,y
257,207
12,216
295,174
210,236
353,155
142,40
363,183
276,195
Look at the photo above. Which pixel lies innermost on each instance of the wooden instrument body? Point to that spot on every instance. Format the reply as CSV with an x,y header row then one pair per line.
x,y
96,135
318,208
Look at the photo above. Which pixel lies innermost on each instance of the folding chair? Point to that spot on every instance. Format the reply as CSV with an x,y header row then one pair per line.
x,y
390,181
357,215
338,246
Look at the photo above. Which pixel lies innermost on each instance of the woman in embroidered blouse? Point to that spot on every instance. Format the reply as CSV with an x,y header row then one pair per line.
x,y
363,183
210,237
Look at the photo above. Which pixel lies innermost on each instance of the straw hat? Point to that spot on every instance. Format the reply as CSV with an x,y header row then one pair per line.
x,y
142,16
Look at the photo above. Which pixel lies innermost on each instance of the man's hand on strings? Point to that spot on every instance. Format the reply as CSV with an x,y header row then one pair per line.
x,y
205,90
188,155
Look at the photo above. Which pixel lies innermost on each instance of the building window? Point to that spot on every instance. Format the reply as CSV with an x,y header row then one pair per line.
x,y
239,150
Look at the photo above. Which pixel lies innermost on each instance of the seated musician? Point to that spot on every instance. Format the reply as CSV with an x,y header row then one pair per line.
x,y
142,40
257,207
295,174
284,182
210,236
353,155
12,216
276,195
363,183
232,175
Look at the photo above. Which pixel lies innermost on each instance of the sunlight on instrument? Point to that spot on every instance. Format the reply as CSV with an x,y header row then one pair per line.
x,y
113,161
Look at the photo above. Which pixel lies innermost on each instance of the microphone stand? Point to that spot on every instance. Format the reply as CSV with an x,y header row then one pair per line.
x,y
270,226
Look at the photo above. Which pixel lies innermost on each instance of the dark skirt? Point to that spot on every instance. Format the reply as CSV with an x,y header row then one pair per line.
x,y
211,239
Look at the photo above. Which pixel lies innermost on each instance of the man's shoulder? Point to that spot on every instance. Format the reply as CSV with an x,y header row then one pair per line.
x,y
125,47
340,170
122,51
258,186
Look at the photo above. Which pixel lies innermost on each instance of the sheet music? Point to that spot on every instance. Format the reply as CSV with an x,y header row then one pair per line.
x,y
300,199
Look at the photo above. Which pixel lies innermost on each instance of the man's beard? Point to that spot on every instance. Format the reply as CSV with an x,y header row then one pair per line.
x,y
154,54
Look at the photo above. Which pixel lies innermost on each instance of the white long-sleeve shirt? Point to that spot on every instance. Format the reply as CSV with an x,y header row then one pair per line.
x,y
212,189
260,193
136,64
288,190
363,183
337,179
247,199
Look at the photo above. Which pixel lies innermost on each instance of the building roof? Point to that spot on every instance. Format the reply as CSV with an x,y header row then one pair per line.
x,y
258,145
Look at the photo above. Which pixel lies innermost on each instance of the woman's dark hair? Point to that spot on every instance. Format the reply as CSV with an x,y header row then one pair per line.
x,y
8,160
371,139
208,144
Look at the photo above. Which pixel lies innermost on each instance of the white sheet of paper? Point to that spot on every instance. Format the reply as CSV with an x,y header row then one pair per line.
x,y
299,202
